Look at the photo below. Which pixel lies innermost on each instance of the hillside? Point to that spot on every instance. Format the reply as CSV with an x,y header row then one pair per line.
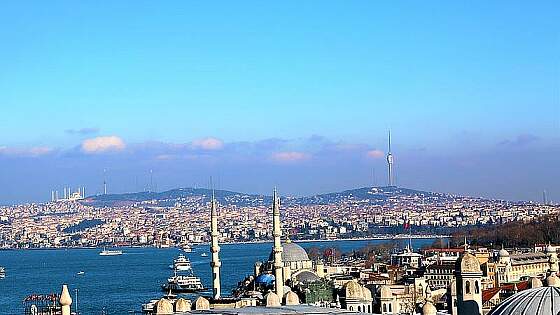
x,y
367,195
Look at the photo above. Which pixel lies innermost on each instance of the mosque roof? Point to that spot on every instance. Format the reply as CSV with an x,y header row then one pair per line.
x,y
307,276
291,252
503,253
265,278
543,300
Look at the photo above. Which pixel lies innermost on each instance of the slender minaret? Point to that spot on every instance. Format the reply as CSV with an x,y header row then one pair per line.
x,y
390,163
215,249
277,249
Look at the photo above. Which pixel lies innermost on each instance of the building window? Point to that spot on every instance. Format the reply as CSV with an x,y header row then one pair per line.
x,y
476,288
468,287
384,308
390,310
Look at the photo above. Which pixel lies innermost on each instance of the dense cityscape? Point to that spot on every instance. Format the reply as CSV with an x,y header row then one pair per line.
x,y
180,217
280,157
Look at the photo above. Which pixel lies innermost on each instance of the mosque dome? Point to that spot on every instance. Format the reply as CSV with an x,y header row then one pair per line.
x,y
265,279
467,263
291,252
532,301
385,292
353,289
306,276
367,293
503,253
429,309
553,281
535,282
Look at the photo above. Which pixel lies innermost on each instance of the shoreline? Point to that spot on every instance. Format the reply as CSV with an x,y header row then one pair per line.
x,y
372,238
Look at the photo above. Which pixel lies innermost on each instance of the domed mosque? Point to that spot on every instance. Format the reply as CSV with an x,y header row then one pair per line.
x,y
297,265
287,269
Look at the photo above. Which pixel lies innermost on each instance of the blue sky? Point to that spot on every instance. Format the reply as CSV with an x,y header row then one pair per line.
x,y
295,94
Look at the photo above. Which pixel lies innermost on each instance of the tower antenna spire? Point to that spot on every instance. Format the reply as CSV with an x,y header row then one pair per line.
x,y
390,161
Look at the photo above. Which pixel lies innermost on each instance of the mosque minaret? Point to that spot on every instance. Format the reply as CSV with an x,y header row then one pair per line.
x,y
215,249
277,249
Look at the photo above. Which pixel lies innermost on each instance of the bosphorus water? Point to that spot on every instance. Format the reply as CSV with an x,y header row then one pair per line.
x,y
120,284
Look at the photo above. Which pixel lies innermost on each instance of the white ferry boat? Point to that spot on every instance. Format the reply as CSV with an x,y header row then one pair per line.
x,y
106,252
2,273
182,263
187,249
183,284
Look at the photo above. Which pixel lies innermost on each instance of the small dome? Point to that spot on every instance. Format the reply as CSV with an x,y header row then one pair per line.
x,y
535,282
385,292
163,306
367,293
429,309
291,252
272,299
182,305
292,298
201,304
550,249
503,253
467,263
264,279
306,276
353,290
532,301
553,281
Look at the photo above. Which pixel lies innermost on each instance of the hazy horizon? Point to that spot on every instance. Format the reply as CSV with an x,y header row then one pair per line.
x,y
295,95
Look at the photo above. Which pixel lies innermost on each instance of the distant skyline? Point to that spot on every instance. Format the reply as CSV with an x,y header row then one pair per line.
x,y
297,95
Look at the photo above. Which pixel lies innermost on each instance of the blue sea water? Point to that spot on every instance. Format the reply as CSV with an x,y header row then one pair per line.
x,y
121,284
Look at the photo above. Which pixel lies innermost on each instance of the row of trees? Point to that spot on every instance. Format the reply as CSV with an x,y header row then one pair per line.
x,y
541,230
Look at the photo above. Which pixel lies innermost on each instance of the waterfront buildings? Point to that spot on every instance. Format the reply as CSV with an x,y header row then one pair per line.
x,y
184,220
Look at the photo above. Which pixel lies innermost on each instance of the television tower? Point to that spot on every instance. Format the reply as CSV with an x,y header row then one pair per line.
x,y
104,182
390,163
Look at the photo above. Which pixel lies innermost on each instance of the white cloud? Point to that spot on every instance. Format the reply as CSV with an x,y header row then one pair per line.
x,y
25,152
103,144
290,156
207,144
375,154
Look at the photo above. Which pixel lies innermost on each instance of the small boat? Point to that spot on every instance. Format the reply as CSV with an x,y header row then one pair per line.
x,y
183,284
81,273
204,255
187,249
2,272
182,263
106,252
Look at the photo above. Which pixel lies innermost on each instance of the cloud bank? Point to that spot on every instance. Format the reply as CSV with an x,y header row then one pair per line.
x,y
103,144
